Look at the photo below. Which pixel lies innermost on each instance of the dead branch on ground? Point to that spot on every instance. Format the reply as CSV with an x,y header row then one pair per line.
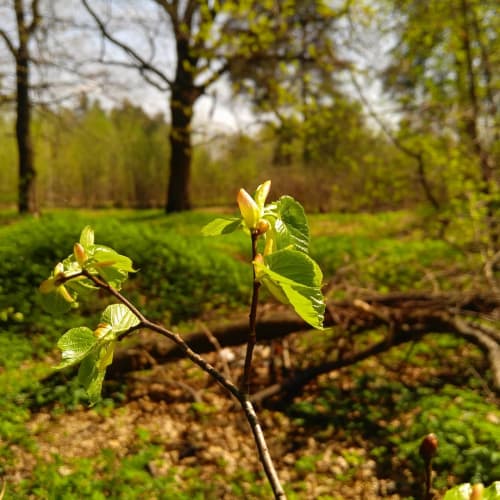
x,y
406,316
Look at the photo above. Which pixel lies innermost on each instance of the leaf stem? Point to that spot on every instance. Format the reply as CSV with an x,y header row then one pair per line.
x,y
106,286
252,337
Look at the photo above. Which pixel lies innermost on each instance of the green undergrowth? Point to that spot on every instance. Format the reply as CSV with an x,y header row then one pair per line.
x,y
383,264
392,417
181,276
96,478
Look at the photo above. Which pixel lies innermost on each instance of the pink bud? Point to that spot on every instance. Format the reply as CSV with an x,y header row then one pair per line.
x,y
259,259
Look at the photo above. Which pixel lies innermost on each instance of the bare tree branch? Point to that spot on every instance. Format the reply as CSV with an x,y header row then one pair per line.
x,y
36,19
141,64
416,155
407,317
8,42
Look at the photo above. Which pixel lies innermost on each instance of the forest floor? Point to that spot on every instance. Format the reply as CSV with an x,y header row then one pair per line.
x,y
169,432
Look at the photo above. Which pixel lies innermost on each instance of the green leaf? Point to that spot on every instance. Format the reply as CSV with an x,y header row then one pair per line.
x,y
460,492
113,276
294,278
110,265
261,193
221,226
492,492
87,237
93,370
55,301
102,254
289,224
81,286
295,266
75,345
463,492
119,317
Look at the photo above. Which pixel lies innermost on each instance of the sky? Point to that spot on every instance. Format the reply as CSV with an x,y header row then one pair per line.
x,y
215,113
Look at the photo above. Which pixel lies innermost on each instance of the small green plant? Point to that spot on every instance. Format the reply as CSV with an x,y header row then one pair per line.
x,y
279,236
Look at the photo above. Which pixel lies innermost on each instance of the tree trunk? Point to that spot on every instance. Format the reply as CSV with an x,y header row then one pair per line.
x,y
181,109
184,95
27,202
472,126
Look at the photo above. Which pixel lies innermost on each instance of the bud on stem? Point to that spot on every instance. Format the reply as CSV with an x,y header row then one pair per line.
x,y
428,447
102,330
262,226
63,292
477,492
80,254
248,208
261,194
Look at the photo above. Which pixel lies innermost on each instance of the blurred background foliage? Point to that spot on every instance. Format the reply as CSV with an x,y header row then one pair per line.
x,y
97,158
380,117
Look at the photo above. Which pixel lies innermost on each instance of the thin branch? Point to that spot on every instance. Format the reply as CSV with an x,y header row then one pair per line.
x,y
417,156
106,286
264,455
189,12
170,10
485,343
245,403
132,65
252,337
9,43
36,19
213,340
142,64
213,77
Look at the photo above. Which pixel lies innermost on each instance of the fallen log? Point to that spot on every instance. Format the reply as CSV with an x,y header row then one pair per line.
x,y
406,317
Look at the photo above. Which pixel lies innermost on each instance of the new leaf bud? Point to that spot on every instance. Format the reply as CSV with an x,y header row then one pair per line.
x,y
428,447
261,194
80,254
249,209
262,226
477,492
269,247
102,330
259,259
63,292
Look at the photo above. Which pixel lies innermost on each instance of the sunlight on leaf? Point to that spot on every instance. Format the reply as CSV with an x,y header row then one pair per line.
x,y
289,223
75,345
221,226
119,317
294,278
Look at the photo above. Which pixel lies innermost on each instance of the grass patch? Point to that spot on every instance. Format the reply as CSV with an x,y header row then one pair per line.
x,y
183,275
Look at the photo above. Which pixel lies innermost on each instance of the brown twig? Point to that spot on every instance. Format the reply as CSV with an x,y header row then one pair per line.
x,y
213,340
245,403
252,337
